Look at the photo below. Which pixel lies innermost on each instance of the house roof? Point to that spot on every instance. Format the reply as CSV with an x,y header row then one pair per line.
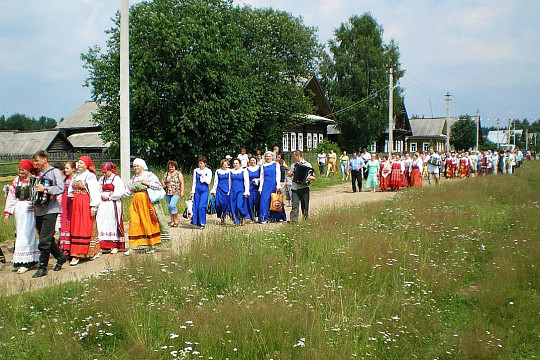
x,y
501,136
27,143
332,130
319,119
81,117
434,127
87,140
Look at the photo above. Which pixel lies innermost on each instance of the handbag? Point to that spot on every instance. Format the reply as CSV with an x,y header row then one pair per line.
x,y
211,205
276,202
155,195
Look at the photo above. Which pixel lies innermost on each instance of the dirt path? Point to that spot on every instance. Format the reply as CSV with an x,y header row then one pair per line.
x,y
11,283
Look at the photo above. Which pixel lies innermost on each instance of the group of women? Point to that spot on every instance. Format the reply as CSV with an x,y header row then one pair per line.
x,y
243,193
91,221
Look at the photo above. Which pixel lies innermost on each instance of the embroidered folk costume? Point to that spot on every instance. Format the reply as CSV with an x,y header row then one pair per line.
x,y
143,222
386,169
109,217
86,199
415,170
26,252
65,218
395,176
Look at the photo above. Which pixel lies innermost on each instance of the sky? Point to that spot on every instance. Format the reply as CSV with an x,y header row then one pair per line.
x,y
485,53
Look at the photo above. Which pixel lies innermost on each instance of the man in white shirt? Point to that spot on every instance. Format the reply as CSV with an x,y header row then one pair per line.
x,y
365,157
321,160
244,158
433,162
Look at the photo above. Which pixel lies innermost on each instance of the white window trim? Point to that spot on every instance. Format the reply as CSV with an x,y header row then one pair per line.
x,y
413,147
373,147
309,143
285,142
293,142
425,146
300,140
315,140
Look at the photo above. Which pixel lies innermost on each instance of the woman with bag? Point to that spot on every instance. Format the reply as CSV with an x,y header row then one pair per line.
x,y
26,252
84,189
173,183
202,177
222,186
143,222
109,216
269,183
239,192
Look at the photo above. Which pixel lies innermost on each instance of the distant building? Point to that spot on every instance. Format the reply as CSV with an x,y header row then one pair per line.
x,y
505,138
81,130
310,129
27,143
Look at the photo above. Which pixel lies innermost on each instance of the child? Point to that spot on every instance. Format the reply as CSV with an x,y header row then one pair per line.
x,y
288,190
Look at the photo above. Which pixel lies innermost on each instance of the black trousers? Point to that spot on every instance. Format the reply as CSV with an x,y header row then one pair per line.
x,y
300,197
45,227
356,176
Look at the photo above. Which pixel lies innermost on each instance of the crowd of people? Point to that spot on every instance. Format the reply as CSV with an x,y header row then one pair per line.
x,y
402,170
85,209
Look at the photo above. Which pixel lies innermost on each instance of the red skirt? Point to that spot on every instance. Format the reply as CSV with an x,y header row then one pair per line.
x,y
84,239
384,182
405,179
65,224
416,177
395,179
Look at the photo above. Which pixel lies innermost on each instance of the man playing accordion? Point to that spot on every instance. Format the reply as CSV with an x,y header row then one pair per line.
x,y
302,173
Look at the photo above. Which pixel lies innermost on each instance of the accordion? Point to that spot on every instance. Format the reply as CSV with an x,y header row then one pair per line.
x,y
301,173
39,197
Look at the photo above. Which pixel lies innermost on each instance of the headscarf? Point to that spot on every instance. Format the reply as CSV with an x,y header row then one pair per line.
x,y
89,164
141,163
108,166
28,165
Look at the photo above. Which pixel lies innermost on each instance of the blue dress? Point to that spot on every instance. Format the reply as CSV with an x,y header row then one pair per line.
x,y
222,195
373,168
236,196
254,199
200,202
269,186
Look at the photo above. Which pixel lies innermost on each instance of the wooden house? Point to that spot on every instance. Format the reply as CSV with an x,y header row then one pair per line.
x,y
27,143
426,133
310,129
81,130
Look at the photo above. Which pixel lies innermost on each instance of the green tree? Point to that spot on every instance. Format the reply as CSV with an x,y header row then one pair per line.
x,y
206,78
356,79
23,122
463,133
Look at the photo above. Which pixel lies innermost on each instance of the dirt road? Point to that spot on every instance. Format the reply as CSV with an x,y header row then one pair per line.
x,y
11,283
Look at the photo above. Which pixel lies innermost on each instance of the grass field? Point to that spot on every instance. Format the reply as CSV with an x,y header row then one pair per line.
x,y
448,272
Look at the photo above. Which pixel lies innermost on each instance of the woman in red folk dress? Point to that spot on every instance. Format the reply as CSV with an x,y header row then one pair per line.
x,y
65,225
416,171
397,171
84,189
448,173
384,182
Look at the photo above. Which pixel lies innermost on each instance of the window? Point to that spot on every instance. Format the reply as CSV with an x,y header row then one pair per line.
x,y
285,142
398,146
315,142
413,147
425,146
385,146
300,141
373,147
293,142
309,143
320,138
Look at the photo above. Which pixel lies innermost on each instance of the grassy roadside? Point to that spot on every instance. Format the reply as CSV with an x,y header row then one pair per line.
x,y
447,272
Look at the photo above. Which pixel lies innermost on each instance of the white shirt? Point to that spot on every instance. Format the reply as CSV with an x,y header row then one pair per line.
x,y
216,179
205,177
246,178
92,187
278,175
244,159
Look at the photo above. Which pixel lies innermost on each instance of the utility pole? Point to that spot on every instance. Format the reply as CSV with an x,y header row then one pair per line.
x,y
125,141
447,121
498,134
526,139
514,121
391,114
477,127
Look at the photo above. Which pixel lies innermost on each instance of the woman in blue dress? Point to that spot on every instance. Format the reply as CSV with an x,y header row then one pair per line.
x,y
239,192
222,186
254,199
269,183
202,177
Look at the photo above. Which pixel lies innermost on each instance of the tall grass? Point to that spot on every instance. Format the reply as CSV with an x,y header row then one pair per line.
x,y
447,272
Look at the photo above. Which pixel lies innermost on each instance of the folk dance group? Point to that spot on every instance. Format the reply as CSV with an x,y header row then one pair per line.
x,y
85,211
243,190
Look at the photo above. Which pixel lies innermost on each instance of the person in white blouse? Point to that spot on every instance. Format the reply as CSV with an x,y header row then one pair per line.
x,y
202,177
244,158
269,183
109,216
84,188
239,192
222,186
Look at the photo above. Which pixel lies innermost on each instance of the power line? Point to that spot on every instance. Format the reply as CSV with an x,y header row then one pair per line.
x,y
358,103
